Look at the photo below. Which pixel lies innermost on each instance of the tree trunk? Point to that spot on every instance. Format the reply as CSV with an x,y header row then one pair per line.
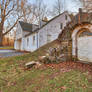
x,y
1,39
1,34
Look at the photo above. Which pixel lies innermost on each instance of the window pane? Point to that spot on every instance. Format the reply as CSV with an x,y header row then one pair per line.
x,y
33,40
61,25
27,41
66,17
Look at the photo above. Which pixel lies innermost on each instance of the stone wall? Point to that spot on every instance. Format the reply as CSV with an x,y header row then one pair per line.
x,y
81,20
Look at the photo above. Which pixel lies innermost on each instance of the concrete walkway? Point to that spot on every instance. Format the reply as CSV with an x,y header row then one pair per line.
x,y
9,53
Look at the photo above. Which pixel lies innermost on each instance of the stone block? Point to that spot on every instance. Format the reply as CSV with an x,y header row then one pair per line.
x,y
31,64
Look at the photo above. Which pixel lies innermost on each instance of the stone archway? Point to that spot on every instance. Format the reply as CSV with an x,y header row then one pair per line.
x,y
79,35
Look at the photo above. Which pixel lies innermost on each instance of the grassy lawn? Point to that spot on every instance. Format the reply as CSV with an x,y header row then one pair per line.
x,y
13,77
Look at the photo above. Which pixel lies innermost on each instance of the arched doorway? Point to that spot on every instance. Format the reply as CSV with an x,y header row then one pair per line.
x,y
82,43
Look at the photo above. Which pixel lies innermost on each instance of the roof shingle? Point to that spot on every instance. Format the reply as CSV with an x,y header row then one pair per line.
x,y
26,26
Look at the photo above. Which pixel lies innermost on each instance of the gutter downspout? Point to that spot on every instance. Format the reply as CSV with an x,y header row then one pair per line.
x,y
37,41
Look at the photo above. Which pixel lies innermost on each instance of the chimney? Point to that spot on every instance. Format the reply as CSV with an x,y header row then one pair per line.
x,y
43,21
80,16
80,10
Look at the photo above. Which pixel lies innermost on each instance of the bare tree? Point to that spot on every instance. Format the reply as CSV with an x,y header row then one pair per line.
x,y
10,12
58,7
39,10
27,11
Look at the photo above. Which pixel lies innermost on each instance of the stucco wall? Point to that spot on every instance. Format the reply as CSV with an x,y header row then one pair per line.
x,y
19,35
34,27
23,46
18,44
52,29
19,32
85,48
30,46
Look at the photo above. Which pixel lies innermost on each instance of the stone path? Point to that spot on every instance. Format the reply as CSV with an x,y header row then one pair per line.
x,y
10,53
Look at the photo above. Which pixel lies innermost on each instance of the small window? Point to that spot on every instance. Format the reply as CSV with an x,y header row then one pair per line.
x,y
33,40
61,25
27,41
65,17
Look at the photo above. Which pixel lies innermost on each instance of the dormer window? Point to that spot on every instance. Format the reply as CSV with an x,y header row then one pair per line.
x,y
65,17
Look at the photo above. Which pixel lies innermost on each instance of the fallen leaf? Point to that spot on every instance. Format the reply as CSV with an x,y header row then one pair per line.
x,y
63,87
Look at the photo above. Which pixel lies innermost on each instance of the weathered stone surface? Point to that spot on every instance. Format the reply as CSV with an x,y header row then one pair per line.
x,y
32,63
61,56
78,48
41,58
44,59
52,58
55,51
38,64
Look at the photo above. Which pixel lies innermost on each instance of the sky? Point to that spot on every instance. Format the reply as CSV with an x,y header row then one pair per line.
x,y
70,5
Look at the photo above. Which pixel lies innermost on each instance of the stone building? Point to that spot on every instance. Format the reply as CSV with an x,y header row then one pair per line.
x,y
77,36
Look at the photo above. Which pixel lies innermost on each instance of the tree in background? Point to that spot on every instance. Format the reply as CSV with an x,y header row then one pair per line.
x,y
58,7
27,10
10,13
87,5
39,10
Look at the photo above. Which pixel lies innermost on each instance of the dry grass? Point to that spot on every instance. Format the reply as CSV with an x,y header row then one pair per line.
x,y
48,78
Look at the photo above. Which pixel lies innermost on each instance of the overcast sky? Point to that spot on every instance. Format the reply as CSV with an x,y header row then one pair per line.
x,y
70,5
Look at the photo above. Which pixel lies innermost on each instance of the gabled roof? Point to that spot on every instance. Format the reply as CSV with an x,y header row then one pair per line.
x,y
27,26
53,19
48,22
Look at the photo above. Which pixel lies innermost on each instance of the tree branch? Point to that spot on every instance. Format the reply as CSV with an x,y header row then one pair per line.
x,y
12,26
10,10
